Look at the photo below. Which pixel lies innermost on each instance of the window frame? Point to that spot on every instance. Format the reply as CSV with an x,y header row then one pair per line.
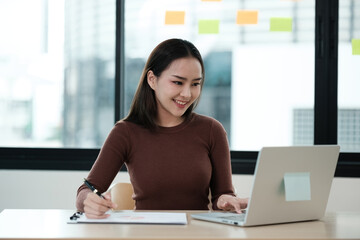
x,y
243,162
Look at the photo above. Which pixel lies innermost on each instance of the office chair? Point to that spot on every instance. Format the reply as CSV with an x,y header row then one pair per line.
x,y
121,194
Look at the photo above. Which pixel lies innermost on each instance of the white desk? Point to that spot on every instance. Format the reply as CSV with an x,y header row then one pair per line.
x,y
52,224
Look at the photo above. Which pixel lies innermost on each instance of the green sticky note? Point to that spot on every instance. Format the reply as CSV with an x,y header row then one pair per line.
x,y
355,46
280,24
297,186
209,26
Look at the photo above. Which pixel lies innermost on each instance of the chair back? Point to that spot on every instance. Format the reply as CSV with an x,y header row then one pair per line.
x,y
121,194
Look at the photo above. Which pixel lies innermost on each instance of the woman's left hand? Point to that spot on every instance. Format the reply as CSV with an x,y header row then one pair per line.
x,y
231,203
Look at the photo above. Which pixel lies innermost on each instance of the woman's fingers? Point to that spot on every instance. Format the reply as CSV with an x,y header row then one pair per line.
x,y
94,216
96,207
231,203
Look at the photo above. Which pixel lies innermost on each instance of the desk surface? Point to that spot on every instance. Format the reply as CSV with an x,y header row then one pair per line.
x,y
52,224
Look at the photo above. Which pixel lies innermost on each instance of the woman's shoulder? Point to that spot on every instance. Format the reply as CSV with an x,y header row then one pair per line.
x,y
125,125
119,129
205,119
208,126
124,130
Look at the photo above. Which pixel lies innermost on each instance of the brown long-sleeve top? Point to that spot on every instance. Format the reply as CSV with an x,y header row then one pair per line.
x,y
171,168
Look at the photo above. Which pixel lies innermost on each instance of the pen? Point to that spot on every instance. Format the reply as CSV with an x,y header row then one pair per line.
x,y
94,190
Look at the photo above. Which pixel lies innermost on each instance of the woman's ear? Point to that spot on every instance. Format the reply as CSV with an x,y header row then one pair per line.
x,y
151,79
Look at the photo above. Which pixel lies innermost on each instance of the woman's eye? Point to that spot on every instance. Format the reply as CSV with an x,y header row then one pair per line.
x,y
177,83
196,84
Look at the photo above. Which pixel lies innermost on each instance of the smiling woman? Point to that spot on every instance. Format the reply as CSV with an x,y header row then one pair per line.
x,y
172,66
162,140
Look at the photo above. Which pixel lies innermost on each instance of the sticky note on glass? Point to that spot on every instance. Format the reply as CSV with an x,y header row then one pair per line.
x,y
280,24
174,17
355,46
209,26
244,17
211,0
297,186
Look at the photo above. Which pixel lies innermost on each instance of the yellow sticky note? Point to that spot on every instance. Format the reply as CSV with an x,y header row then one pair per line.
x,y
278,24
174,17
297,186
355,46
246,17
209,26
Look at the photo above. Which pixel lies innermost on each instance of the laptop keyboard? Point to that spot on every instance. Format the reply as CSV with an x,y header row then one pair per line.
x,y
237,217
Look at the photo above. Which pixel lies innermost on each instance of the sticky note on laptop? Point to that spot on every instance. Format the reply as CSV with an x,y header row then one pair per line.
x,y
297,186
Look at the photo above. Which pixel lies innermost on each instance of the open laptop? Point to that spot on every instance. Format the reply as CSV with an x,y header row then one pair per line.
x,y
291,184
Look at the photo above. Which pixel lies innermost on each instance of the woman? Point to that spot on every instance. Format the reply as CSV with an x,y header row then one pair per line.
x,y
173,156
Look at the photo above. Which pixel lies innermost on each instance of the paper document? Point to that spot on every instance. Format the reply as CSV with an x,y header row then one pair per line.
x,y
131,217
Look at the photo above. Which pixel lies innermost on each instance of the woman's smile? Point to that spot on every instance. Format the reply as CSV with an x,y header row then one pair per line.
x,y
180,104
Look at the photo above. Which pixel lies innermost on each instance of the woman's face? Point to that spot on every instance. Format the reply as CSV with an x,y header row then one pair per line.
x,y
177,87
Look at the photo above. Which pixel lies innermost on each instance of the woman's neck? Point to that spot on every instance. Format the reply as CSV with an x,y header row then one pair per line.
x,y
170,122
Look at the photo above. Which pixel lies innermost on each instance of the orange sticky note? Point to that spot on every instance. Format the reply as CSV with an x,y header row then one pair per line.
x,y
174,17
246,17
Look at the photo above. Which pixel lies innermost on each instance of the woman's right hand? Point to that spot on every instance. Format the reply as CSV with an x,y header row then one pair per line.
x,y
96,207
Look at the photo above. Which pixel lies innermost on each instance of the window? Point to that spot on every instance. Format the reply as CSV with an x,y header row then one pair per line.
x,y
31,73
349,75
57,72
70,71
250,67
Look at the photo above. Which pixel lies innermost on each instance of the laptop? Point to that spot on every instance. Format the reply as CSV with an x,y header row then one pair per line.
x,y
291,184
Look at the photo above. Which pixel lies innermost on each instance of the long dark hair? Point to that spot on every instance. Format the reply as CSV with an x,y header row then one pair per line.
x,y
143,109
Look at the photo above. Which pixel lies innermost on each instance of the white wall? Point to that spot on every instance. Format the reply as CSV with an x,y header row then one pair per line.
x,y
57,189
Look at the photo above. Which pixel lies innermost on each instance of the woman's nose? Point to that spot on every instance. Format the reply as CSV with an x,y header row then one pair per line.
x,y
186,92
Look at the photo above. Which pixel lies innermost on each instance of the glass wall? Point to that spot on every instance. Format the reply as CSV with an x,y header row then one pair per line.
x,y
89,68
349,76
57,67
56,72
31,72
259,62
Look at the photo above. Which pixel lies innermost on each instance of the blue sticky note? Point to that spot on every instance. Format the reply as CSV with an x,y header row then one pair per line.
x,y
297,186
